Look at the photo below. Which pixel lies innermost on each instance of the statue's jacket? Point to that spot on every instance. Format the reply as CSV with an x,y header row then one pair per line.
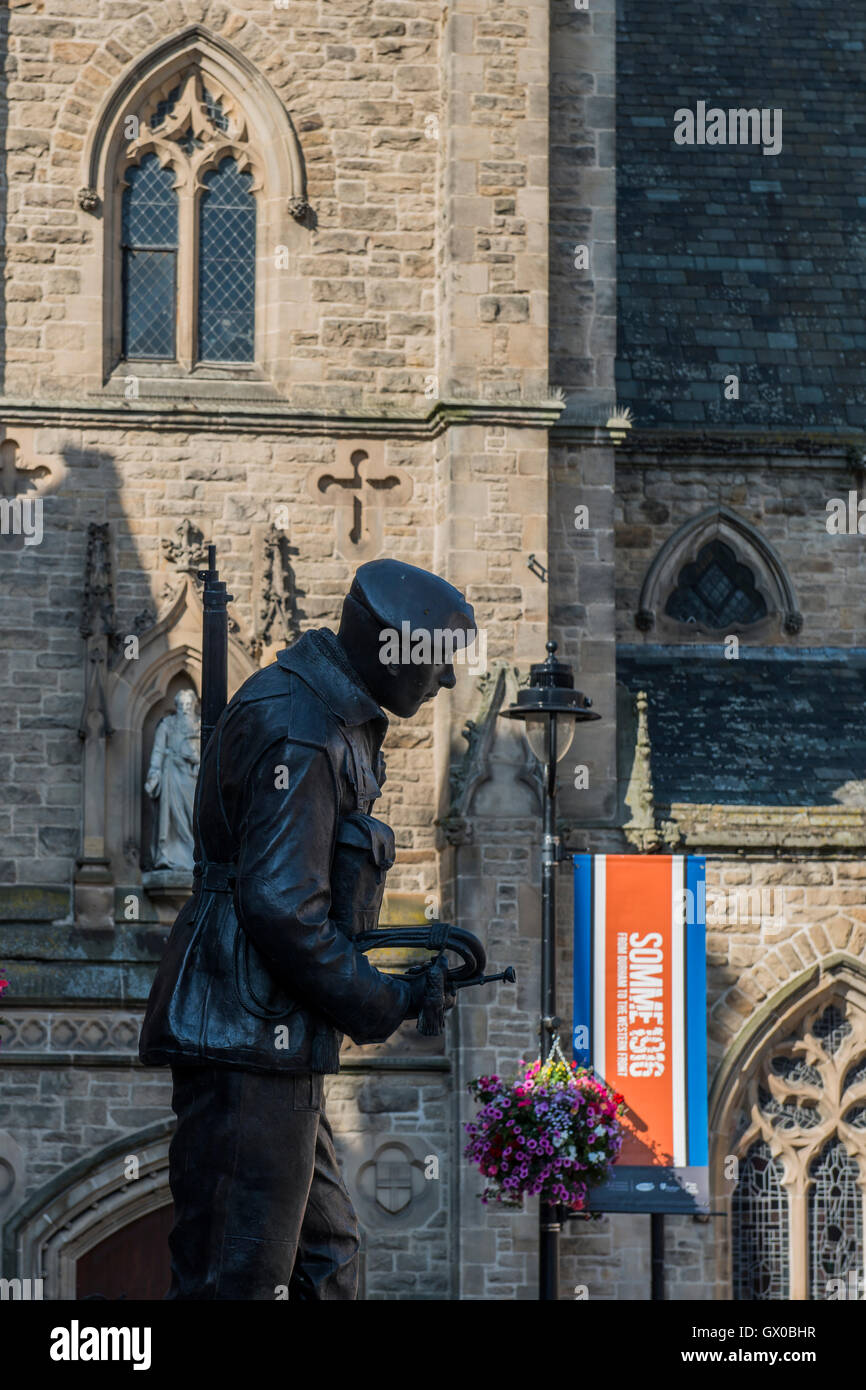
x,y
259,970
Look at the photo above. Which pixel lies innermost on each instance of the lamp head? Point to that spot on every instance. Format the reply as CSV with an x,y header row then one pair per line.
x,y
550,696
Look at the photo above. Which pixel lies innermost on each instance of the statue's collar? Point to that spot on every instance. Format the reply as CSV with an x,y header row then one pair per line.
x,y
319,660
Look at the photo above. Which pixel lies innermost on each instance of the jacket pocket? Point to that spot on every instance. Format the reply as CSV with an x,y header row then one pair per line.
x,y
363,854
256,988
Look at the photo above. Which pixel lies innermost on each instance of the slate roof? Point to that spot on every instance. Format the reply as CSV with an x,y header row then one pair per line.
x,y
783,730
730,260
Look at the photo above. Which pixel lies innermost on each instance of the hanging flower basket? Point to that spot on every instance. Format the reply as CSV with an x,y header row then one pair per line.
x,y
553,1131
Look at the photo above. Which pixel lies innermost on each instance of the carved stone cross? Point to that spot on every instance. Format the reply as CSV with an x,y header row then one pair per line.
x,y
359,488
15,479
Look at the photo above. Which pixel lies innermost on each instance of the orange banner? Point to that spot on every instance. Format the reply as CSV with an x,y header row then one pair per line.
x,y
638,1003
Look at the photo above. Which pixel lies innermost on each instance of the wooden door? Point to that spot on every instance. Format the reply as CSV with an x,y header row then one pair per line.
x,y
132,1263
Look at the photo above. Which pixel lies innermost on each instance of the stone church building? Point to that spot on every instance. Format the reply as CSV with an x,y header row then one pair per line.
x,y
318,281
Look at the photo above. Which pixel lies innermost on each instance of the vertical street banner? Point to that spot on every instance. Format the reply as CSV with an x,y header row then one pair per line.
x,y
640,1020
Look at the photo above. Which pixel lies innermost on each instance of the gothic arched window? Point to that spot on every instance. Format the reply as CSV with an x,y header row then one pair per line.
x,y
716,591
797,1209
717,573
188,228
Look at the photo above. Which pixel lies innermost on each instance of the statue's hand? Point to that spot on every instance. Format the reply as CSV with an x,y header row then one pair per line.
x,y
151,786
418,986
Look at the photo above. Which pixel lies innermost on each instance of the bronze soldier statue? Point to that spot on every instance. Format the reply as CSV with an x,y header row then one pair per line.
x,y
260,979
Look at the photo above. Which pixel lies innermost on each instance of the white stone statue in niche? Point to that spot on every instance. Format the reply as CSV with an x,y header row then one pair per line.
x,y
171,780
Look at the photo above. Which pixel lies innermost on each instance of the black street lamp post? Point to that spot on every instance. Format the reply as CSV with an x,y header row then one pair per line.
x,y
550,708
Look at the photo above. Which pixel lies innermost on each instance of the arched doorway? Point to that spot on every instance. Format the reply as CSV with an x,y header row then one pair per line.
x,y
101,1228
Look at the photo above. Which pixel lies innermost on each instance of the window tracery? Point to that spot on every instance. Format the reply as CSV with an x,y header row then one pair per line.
x,y
189,177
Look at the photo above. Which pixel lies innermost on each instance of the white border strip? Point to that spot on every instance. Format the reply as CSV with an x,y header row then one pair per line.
x,y
599,952
678,1010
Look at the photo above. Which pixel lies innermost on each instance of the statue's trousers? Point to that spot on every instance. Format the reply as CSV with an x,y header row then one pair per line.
x,y
261,1211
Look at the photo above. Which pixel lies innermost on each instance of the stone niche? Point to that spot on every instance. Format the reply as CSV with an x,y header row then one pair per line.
x,y
131,685
158,882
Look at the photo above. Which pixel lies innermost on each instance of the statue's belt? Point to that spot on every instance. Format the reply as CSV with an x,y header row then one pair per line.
x,y
217,878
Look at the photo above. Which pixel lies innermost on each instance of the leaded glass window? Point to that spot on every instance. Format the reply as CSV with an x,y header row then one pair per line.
x,y
164,108
856,1074
227,266
761,1223
189,227
832,1029
789,1114
796,1070
716,591
150,240
214,108
835,1218
798,1206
